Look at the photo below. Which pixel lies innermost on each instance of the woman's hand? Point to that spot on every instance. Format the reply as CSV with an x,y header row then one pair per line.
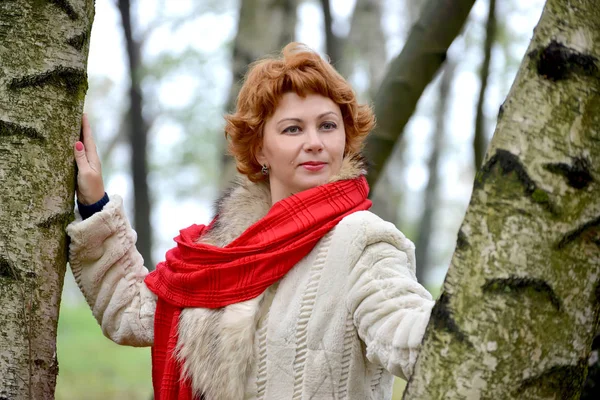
x,y
90,187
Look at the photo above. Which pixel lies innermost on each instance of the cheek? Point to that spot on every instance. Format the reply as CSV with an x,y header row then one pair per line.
x,y
283,153
272,149
340,147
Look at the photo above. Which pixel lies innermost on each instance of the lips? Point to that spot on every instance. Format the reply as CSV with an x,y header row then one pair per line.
x,y
314,163
313,166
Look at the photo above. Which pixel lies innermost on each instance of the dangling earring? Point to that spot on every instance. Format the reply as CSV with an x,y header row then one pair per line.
x,y
265,170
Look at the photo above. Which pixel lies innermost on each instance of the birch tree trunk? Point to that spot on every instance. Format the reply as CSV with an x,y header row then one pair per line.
x,y
520,304
264,27
43,81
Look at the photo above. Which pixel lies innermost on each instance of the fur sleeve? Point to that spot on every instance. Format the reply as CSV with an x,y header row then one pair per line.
x,y
110,273
390,308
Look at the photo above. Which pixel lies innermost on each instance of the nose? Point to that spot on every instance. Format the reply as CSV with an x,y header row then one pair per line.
x,y
313,142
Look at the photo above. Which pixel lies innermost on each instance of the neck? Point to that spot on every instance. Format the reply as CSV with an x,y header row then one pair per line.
x,y
352,167
276,197
278,192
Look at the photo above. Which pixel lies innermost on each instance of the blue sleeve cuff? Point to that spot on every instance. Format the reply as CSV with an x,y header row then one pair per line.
x,y
87,211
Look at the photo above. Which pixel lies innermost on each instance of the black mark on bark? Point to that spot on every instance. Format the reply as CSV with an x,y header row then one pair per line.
x,y
510,163
561,381
57,219
461,241
65,6
78,41
578,174
591,387
12,129
31,275
72,79
522,285
7,270
441,317
596,343
557,62
54,369
501,111
588,231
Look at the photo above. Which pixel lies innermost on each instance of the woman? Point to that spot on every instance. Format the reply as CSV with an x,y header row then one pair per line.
x,y
294,290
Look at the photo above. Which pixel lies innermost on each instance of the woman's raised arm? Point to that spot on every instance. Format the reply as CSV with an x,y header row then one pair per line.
x,y
390,308
107,267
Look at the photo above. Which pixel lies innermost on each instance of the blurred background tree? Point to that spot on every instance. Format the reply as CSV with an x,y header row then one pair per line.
x,y
137,132
253,40
190,59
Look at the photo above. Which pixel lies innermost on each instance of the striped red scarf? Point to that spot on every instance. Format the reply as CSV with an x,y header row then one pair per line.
x,y
201,275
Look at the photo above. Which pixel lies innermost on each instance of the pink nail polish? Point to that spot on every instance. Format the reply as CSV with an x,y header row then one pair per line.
x,y
79,146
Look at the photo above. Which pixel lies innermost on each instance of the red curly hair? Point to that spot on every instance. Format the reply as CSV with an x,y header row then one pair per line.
x,y
300,70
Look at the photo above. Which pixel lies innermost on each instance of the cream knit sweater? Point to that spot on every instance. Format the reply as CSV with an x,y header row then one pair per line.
x,y
338,326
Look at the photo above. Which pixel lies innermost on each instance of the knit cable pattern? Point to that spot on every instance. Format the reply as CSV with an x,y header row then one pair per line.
x,y
306,307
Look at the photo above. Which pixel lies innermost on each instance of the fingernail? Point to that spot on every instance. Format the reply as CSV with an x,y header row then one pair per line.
x,y
79,146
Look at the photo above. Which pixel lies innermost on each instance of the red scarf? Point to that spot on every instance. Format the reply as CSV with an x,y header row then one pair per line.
x,y
201,275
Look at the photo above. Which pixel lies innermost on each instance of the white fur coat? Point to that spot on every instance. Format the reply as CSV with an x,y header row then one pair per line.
x,y
337,326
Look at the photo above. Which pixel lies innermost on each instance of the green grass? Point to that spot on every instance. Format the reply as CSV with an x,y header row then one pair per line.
x,y
92,367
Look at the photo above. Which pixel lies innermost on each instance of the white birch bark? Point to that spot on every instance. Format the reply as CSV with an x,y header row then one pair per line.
x,y
43,56
521,302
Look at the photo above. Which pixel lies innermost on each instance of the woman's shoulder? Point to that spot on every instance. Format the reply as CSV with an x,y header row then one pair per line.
x,y
364,228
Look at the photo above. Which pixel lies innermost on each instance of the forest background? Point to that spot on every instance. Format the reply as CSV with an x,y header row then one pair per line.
x,y
185,71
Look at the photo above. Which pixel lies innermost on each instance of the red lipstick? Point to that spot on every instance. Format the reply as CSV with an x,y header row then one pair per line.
x,y
313,165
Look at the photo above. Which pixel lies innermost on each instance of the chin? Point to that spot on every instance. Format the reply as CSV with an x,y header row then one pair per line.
x,y
311,182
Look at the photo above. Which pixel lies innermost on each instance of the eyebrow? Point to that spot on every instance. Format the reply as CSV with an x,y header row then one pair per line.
x,y
300,120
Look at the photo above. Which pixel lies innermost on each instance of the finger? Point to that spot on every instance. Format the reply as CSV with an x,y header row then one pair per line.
x,y
88,140
80,157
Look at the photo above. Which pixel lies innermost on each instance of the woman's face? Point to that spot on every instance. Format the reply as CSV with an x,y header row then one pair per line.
x,y
303,144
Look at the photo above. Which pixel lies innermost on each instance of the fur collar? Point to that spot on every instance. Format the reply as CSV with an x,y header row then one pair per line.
x,y
217,345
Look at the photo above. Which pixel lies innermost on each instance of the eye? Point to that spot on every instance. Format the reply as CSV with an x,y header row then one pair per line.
x,y
292,129
328,126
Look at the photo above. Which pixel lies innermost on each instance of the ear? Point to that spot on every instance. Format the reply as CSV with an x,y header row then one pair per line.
x,y
260,156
